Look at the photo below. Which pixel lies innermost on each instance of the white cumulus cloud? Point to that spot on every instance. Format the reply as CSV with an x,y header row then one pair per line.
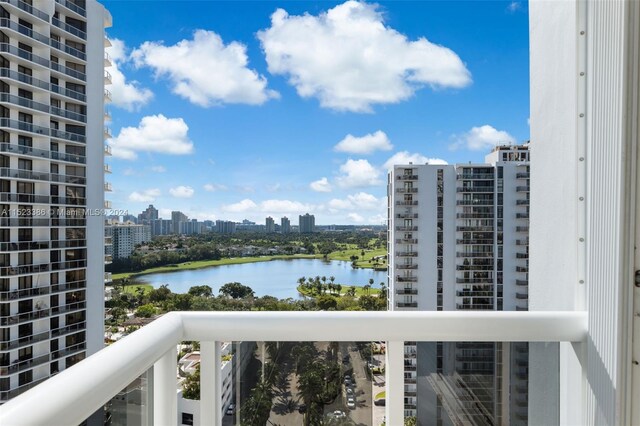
x,y
213,187
355,218
350,60
155,133
366,144
243,206
405,157
158,169
124,94
146,196
321,185
206,71
482,138
284,206
182,191
359,201
358,173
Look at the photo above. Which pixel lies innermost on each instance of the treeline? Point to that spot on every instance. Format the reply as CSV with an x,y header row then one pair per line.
x,y
141,261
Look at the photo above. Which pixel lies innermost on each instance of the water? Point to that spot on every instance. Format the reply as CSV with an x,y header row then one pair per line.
x,y
277,278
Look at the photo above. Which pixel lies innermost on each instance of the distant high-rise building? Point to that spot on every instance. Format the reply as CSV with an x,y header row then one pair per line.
x,y
148,215
125,237
285,225
129,218
161,227
52,161
458,238
270,225
225,227
190,227
176,218
307,223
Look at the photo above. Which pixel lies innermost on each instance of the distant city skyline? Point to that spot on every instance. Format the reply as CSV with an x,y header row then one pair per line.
x,y
285,138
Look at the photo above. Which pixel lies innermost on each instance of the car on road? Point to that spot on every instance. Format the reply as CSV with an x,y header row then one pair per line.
x,y
380,402
349,391
231,409
351,402
345,359
339,414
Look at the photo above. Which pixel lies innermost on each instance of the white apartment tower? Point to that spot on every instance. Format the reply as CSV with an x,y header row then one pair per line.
x,y
458,240
52,150
125,237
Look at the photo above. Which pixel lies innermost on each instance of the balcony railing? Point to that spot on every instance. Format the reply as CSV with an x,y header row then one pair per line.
x,y
72,395
27,8
407,177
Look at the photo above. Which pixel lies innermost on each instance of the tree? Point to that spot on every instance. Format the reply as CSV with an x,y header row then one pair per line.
x,y
146,311
338,288
236,290
326,302
410,421
366,288
160,294
201,291
352,291
257,408
191,385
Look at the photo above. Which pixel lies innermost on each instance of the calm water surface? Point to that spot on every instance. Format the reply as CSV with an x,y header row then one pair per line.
x,y
277,278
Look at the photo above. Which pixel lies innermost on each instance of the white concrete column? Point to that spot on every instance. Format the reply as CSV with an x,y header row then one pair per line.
x,y
394,377
210,384
165,397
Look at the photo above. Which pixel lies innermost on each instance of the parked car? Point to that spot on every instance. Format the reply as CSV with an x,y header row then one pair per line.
x,y
349,391
380,401
231,409
339,414
351,402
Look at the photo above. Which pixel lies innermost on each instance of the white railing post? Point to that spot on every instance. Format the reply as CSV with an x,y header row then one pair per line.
x,y
394,377
210,384
165,396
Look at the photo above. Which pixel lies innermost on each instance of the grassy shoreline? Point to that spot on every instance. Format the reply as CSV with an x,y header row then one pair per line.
x,y
360,291
200,264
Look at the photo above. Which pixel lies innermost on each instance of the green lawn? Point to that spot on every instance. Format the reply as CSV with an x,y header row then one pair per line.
x,y
360,291
208,263
362,262
133,288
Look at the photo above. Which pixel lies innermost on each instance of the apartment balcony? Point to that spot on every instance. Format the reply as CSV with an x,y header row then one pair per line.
x,y
26,7
31,129
402,291
522,255
107,277
406,241
407,177
406,228
73,6
522,215
107,150
488,203
107,42
72,395
523,175
107,97
474,307
407,304
411,266
522,282
472,293
474,228
475,215
522,296
474,267
107,204
522,229
474,241
474,280
478,254
41,176
476,176
107,60
406,253
9,197
69,29
522,188
522,242
484,189
407,215
522,269
8,296
108,187
406,203
407,190
409,279
23,341
107,77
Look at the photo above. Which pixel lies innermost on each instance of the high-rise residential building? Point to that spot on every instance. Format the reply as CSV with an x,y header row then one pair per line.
x,y
52,134
458,240
306,223
225,227
161,227
285,225
148,215
270,225
190,227
125,237
176,218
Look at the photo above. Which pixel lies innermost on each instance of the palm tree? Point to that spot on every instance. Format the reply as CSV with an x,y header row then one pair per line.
x,y
352,291
338,288
383,290
332,279
366,288
324,279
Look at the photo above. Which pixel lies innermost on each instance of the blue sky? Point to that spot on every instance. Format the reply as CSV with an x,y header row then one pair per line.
x,y
233,110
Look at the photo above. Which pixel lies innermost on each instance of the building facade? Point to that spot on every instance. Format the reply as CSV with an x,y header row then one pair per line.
x,y
285,225
306,223
52,245
458,240
148,215
225,227
270,225
125,237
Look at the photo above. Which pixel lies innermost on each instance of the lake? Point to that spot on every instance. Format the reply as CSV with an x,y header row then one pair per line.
x,y
278,278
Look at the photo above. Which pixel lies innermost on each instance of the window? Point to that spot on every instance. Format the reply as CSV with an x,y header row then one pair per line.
x,y
187,419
